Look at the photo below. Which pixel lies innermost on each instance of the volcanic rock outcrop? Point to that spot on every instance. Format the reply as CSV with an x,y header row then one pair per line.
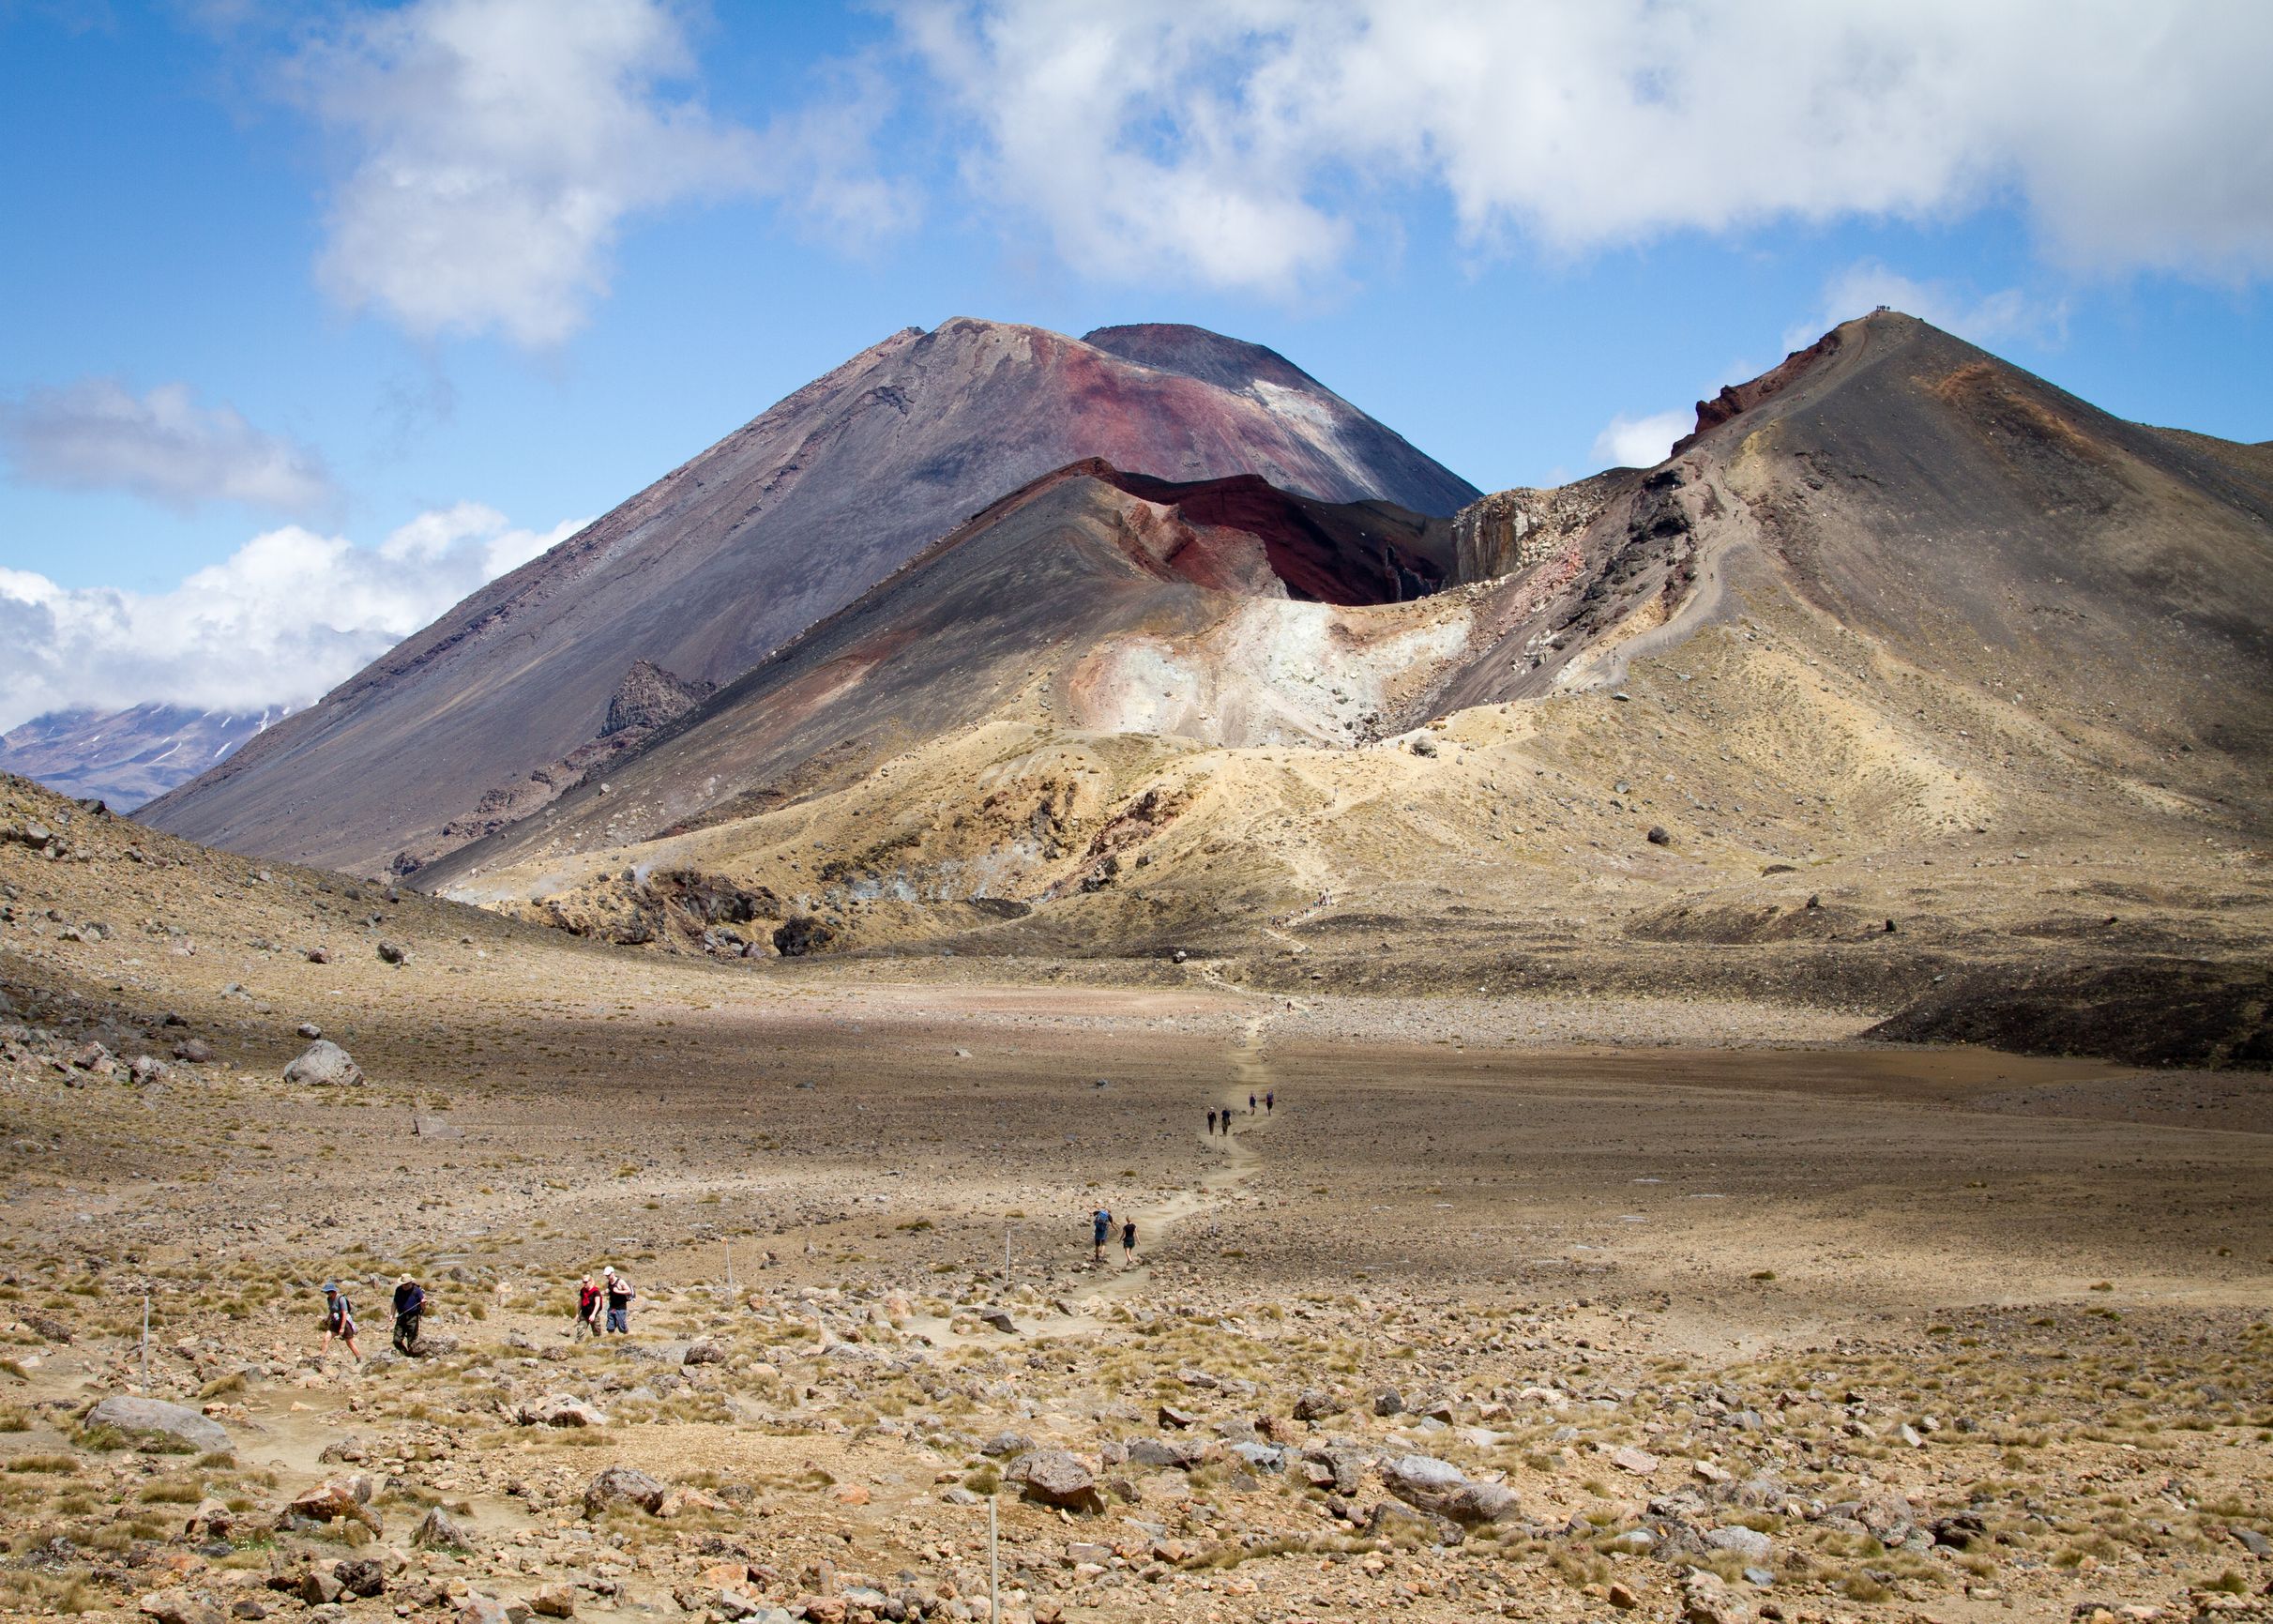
x,y
779,525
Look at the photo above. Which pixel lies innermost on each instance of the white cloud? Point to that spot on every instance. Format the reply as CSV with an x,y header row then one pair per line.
x,y
497,147
97,434
1985,319
283,620
1640,441
1243,142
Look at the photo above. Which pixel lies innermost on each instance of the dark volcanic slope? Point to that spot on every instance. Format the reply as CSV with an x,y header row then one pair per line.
x,y
1064,563
779,524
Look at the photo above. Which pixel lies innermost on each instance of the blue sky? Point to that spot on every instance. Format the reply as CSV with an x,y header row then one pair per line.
x,y
312,317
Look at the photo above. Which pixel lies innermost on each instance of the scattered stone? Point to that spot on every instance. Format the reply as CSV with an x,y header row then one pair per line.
x,y
623,1486
196,1051
178,1607
1749,1543
331,1501
393,953
1657,836
1638,1462
322,1065
440,1531
310,1030
1316,1404
1389,1402
554,1600
559,1410
186,1426
1054,1478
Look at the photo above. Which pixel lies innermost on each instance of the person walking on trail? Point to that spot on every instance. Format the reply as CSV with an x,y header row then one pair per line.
x,y
410,1308
587,1310
1211,1122
1226,1122
1101,1228
338,1320
1269,1100
1128,1242
619,1295
1250,1104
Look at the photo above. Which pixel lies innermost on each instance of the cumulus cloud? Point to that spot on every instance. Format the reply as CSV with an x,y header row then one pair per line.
x,y
283,620
1640,441
1985,319
1243,142
497,146
97,434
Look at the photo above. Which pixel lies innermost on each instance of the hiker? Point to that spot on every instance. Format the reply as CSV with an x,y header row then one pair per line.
x,y
410,1308
587,1310
1100,1226
338,1321
1269,1100
619,1295
1128,1242
1227,1122
1250,1104
1211,1123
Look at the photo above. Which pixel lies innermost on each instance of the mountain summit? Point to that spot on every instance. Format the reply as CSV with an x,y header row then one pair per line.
x,y
781,523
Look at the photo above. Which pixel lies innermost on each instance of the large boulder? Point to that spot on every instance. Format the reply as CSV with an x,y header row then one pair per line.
x,y
559,1410
325,1064
1054,1478
334,1500
442,1531
1443,1490
623,1486
154,1416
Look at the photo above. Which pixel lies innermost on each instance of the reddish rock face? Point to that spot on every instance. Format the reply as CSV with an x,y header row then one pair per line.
x,y
768,532
1735,399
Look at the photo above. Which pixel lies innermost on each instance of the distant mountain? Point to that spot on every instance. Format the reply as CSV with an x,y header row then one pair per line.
x,y
729,557
127,757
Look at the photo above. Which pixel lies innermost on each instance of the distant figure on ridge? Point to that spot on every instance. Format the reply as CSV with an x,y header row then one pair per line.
x,y
1211,1122
410,1308
1269,1100
1250,1104
338,1320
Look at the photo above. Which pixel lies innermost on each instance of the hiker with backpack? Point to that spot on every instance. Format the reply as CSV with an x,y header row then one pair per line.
x,y
619,1295
338,1321
587,1310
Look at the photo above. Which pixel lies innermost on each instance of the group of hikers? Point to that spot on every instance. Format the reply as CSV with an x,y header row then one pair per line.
x,y
605,1307
1219,1121
339,1317
611,1298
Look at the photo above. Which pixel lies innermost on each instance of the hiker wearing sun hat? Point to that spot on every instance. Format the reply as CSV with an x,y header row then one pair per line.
x,y
338,1320
410,1308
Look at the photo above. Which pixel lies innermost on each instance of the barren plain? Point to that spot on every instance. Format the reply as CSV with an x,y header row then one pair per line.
x,y
1513,1304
